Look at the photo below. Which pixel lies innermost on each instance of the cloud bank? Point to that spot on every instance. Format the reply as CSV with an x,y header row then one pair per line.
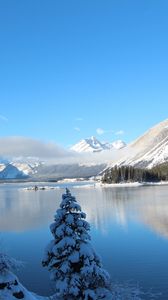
x,y
23,147
16,146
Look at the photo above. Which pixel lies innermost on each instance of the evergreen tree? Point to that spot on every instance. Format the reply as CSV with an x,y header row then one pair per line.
x,y
133,174
76,269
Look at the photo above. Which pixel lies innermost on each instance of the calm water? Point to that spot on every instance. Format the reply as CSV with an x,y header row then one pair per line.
x,y
129,230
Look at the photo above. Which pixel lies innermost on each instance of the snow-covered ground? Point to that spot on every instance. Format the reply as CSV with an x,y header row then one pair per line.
x,y
124,184
156,183
131,184
86,186
65,180
10,287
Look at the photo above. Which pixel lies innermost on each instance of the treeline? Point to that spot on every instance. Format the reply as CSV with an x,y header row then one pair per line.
x,y
133,174
161,171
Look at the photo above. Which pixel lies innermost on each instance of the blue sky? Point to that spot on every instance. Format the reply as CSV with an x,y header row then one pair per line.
x,y
70,67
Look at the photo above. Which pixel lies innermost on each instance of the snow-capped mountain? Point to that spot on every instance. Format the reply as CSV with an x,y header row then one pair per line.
x,y
42,171
150,149
18,169
92,144
147,151
10,172
26,168
89,145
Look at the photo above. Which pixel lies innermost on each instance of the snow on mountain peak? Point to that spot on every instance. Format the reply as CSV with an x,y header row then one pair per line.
x,y
92,144
88,145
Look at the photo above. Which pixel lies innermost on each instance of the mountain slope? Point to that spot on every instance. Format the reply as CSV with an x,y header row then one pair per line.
x,y
149,150
26,168
68,171
18,170
10,172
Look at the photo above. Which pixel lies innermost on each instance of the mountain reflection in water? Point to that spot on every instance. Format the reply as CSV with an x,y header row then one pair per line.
x,y
22,210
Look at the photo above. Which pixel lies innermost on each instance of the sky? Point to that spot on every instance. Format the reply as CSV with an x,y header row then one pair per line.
x,y
71,69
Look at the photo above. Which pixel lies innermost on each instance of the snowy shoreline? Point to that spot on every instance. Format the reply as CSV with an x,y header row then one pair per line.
x,y
133,184
94,184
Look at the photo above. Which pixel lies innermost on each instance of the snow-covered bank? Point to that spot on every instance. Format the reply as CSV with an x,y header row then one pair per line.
x,y
124,184
65,180
86,186
156,183
131,184
12,289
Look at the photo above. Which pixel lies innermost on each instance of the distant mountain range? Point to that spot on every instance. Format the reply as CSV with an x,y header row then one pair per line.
x,y
34,169
41,171
18,170
94,145
148,151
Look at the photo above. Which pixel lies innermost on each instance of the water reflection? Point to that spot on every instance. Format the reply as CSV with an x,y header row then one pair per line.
x,y
24,210
155,215
147,205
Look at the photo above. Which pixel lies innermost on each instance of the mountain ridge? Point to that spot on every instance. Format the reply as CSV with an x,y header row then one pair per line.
x,y
149,150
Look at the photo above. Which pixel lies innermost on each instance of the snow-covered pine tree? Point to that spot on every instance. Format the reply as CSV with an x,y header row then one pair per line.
x,y
76,269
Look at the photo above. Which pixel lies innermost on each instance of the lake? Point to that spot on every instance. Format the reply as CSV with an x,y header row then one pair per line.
x,y
129,229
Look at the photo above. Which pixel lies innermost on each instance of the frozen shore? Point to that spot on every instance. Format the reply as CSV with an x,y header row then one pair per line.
x,y
93,184
132,184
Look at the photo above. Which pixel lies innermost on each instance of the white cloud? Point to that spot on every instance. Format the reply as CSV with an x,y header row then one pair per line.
x,y
23,147
79,119
120,132
77,129
100,131
3,118
16,146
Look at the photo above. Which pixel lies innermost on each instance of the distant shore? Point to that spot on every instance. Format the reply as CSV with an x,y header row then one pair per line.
x,y
93,183
133,184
